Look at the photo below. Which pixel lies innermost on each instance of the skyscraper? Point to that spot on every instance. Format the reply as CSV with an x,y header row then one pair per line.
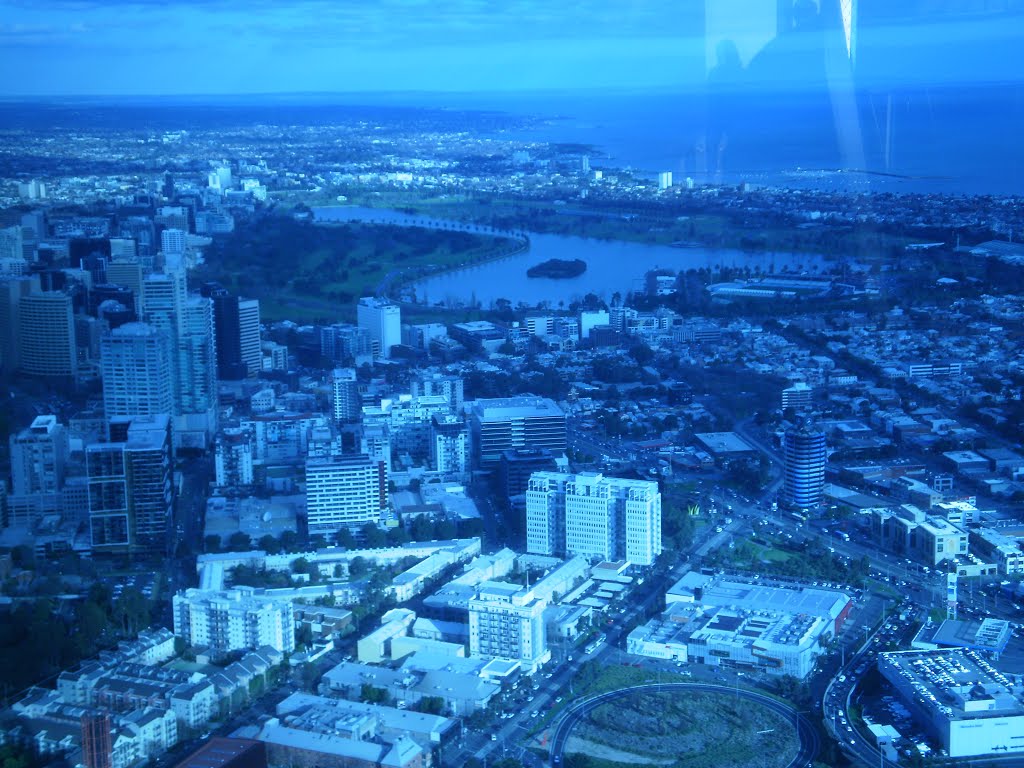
x,y
135,361
46,335
383,320
249,336
130,491
593,515
805,455
12,291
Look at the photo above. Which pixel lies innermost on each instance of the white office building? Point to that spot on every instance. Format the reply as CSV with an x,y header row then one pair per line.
x,y
249,336
135,360
593,515
38,455
383,321
345,400
344,492
507,622
234,619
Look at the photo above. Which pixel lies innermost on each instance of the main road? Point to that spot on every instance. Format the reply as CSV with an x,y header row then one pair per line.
x,y
809,743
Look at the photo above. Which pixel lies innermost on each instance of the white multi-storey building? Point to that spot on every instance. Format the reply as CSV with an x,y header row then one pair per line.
x,y
345,401
249,335
135,360
233,620
507,622
233,458
593,515
383,320
38,454
449,444
344,492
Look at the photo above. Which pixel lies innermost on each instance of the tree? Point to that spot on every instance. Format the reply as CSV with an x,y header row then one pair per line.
x,y
290,541
239,542
344,538
430,705
356,567
397,536
421,528
211,543
373,536
371,694
269,544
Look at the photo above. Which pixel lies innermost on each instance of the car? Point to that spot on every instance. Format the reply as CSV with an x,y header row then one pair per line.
x,y
558,700
494,737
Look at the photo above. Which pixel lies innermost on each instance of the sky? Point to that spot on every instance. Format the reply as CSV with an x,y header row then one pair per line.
x,y
160,47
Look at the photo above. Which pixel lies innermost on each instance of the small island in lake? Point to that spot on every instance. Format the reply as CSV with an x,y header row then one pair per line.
x,y
558,268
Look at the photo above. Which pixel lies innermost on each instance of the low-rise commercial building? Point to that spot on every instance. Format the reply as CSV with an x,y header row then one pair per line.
x,y
969,706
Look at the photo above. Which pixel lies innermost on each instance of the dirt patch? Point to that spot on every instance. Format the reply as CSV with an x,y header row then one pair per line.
x,y
575,744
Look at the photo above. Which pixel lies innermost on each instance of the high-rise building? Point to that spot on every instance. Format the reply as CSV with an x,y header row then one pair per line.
x,y
506,621
38,455
348,344
595,516
135,360
383,320
12,291
805,455
46,335
449,444
664,180
344,492
173,242
503,424
130,492
249,336
518,465
345,401
227,332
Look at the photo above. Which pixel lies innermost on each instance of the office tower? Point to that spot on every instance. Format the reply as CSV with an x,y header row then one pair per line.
x,y
32,190
234,620
506,621
449,444
38,455
198,366
173,242
345,400
12,291
503,424
344,492
249,336
135,361
346,343
130,492
450,387
46,335
227,332
516,467
233,458
11,243
595,516
122,249
805,455
664,180
383,320
128,274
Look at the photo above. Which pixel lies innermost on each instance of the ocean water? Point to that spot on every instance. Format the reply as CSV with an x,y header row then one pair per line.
x,y
962,140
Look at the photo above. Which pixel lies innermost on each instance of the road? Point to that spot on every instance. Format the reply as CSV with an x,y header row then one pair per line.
x,y
809,743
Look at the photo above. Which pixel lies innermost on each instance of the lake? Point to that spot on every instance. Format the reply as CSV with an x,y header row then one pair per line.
x,y
612,266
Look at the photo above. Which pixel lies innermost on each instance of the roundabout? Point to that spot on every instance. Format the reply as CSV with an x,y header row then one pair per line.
x,y
804,739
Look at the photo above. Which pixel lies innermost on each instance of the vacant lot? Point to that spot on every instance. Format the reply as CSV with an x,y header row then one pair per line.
x,y
687,730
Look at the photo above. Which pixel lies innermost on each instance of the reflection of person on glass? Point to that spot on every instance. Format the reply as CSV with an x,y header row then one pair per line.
x,y
789,82
725,81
